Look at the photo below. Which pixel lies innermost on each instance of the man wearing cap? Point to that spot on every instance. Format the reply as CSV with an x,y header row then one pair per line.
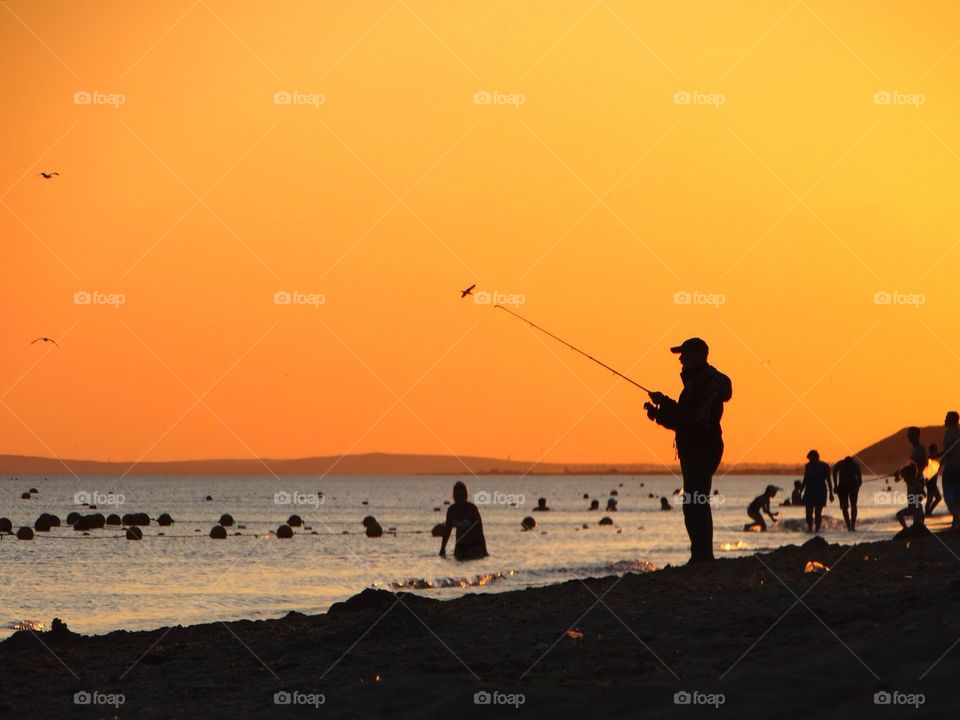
x,y
695,418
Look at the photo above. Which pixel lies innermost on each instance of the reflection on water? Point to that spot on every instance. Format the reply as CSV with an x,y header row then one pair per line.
x,y
178,575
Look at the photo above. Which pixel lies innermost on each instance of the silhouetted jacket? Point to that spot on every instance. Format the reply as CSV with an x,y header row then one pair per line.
x,y
695,416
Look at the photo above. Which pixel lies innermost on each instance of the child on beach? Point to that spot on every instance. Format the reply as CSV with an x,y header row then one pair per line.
x,y
912,478
761,503
465,517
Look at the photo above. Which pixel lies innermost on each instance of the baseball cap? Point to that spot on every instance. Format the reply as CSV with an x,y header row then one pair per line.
x,y
693,344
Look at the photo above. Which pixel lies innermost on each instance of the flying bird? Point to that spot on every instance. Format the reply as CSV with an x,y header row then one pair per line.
x,y
45,339
468,291
47,175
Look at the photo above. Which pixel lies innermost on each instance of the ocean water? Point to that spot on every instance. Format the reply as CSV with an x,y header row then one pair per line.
x,y
103,582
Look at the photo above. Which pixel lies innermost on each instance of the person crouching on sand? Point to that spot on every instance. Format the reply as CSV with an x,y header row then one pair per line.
x,y
761,503
816,485
465,517
913,479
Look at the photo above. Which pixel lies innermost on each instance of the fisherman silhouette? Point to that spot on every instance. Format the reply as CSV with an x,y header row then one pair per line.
x,y
465,517
695,418
816,485
847,479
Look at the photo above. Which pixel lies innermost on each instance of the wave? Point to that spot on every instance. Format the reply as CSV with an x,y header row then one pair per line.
x,y
531,576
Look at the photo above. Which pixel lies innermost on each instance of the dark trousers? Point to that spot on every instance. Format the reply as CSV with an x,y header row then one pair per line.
x,y
698,467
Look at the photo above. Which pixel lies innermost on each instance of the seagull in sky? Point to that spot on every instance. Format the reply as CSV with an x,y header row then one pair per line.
x,y
468,291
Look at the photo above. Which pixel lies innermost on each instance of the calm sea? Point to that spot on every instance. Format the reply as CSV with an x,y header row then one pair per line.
x,y
178,575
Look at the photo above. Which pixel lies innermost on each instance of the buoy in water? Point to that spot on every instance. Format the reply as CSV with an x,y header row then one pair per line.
x,y
25,533
113,519
293,521
226,520
164,520
5,525
528,523
42,523
134,533
284,532
218,532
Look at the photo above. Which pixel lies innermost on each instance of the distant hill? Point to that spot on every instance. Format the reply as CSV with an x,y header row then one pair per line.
x,y
363,464
884,456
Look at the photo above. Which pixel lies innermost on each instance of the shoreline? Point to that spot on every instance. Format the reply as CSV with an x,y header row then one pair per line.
x,y
887,611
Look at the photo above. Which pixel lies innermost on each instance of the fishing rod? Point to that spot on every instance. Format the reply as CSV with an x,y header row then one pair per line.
x,y
573,347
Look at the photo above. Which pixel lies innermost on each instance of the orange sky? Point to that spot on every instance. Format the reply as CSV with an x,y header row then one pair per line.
x,y
785,188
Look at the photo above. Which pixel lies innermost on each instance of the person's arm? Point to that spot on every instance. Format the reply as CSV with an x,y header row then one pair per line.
x,y
836,475
766,508
447,527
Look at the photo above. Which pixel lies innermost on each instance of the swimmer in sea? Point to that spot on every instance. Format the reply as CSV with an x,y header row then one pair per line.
x,y
465,517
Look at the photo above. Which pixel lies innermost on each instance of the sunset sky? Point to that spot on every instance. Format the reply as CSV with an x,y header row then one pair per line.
x,y
816,164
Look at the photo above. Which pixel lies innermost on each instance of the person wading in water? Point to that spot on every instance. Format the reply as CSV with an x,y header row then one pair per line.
x,y
695,418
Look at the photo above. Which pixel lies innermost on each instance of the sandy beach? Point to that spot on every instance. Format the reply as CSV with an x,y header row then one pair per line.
x,y
754,634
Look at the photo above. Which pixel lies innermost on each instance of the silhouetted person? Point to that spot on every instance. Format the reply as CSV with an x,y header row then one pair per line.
x,y
816,485
464,516
594,504
761,504
949,459
611,504
665,504
847,479
933,492
695,418
796,496
910,474
541,505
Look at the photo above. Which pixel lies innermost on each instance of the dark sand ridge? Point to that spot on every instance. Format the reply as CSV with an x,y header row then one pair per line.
x,y
889,609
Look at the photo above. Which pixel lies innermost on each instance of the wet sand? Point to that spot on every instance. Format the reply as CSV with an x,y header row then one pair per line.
x,y
772,639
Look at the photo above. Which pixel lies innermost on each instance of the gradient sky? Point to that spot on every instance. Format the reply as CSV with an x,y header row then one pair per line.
x,y
794,201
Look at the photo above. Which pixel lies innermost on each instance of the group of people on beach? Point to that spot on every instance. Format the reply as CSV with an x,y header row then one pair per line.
x,y
695,416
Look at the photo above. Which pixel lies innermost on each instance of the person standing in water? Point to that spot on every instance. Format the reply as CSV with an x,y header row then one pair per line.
x,y
847,480
816,485
465,517
949,458
695,418
933,492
